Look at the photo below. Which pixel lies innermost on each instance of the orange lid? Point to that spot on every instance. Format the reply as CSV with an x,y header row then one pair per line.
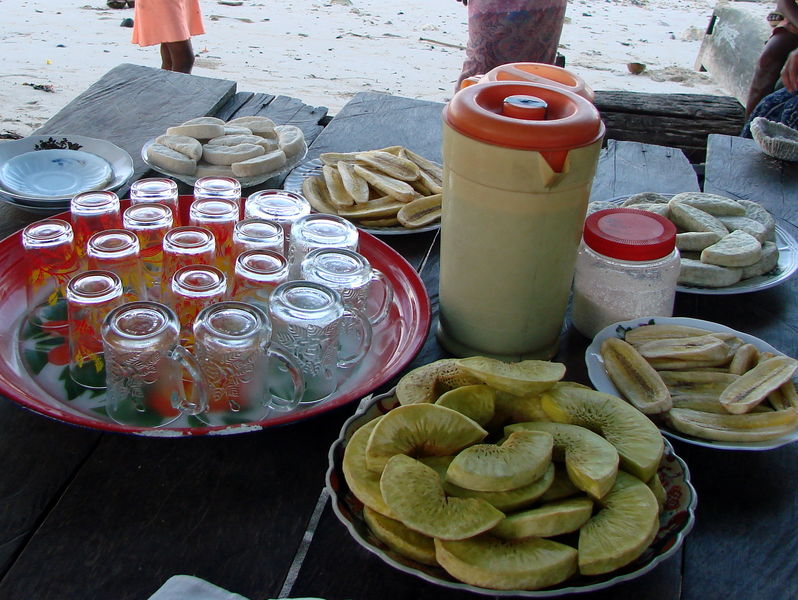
x,y
508,114
538,73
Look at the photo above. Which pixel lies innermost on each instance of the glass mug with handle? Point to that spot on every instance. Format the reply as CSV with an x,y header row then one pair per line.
x,y
233,349
362,287
144,364
309,321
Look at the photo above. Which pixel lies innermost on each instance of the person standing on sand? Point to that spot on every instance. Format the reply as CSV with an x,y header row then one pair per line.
x,y
170,23
506,31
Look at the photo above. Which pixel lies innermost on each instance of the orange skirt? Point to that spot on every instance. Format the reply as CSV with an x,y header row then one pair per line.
x,y
160,21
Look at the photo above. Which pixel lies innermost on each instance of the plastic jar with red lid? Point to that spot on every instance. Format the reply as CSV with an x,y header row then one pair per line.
x,y
627,267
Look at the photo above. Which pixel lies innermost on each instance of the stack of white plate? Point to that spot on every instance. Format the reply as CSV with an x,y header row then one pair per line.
x,y
39,176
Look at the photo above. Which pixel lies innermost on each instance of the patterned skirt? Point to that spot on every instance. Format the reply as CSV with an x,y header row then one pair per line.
x,y
507,31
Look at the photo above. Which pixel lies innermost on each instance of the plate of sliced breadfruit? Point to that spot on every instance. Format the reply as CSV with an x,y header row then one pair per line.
x,y
386,191
701,382
727,246
251,149
505,480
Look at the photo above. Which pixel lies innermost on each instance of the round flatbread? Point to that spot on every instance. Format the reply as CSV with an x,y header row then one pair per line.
x,y
189,146
227,155
171,161
259,165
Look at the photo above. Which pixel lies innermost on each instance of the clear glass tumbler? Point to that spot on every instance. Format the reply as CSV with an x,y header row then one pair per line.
x,y
277,205
307,321
362,287
52,259
150,221
144,367
318,231
232,346
219,216
227,188
118,250
91,295
193,288
157,189
257,234
257,273
93,212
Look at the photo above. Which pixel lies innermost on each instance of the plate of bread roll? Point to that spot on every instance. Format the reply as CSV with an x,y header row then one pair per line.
x,y
727,246
251,149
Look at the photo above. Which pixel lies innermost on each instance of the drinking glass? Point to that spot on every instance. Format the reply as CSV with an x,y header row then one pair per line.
x,y
257,234
232,346
193,288
52,259
93,212
118,250
144,367
257,273
277,205
150,221
91,295
184,246
219,216
307,322
226,188
318,231
157,189
362,287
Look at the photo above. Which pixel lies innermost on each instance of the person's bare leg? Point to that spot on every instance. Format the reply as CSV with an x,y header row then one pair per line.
x,y
768,68
181,56
166,58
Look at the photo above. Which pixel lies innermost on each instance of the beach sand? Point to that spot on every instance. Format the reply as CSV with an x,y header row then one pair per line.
x,y
324,52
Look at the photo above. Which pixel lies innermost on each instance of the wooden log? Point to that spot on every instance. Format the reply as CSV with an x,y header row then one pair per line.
x,y
676,120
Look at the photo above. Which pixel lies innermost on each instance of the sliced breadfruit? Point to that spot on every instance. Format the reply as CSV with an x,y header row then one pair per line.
x,y
505,501
590,461
548,520
509,408
474,401
364,484
561,486
637,440
521,459
426,383
489,562
420,430
656,487
521,378
622,530
415,494
402,540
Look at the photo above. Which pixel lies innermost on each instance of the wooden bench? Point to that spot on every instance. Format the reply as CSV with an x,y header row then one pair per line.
x,y
681,121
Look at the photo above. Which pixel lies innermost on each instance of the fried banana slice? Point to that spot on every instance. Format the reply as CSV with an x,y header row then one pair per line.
x,y
396,188
755,385
637,381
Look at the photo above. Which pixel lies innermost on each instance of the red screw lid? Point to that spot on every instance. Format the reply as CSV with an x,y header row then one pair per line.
x,y
629,234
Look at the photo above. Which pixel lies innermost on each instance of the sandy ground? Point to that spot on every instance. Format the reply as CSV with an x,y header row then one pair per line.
x,y
324,52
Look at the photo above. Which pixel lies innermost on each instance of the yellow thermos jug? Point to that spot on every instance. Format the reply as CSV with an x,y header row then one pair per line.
x,y
518,160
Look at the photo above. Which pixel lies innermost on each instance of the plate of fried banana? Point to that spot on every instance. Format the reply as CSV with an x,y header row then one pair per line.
x,y
702,383
727,245
385,191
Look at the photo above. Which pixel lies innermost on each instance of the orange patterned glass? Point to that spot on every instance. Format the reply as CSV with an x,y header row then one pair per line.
x,y
118,250
193,288
219,216
150,221
93,212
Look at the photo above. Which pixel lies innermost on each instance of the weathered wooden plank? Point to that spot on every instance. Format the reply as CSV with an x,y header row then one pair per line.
x,y
374,120
231,510
737,168
677,120
131,104
626,168
38,458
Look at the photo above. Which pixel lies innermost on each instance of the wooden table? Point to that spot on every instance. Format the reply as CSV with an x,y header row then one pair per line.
x,y
106,516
